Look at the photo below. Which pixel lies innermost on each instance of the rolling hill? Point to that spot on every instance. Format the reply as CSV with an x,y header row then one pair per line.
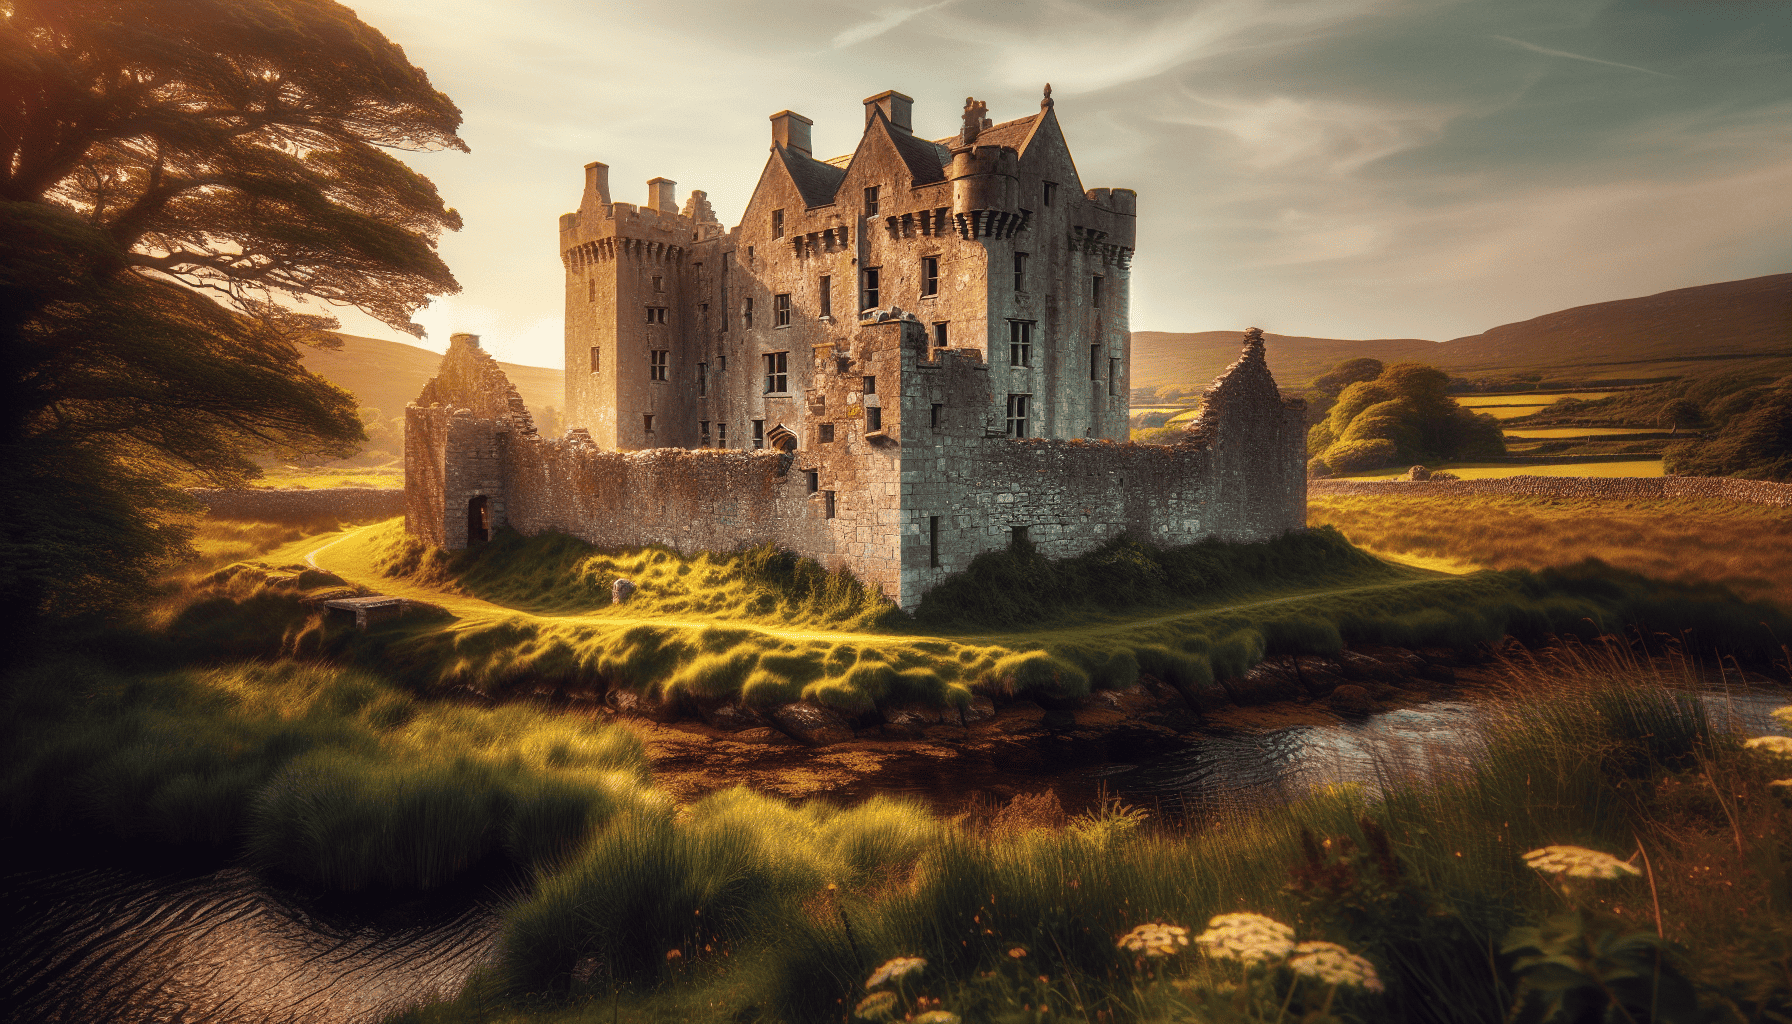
x,y
1662,335
387,375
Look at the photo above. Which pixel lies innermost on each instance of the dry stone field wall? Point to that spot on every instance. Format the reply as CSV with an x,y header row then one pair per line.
x,y
1758,492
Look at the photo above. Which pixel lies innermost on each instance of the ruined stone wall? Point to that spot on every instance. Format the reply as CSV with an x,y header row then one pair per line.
x,y
1691,488
450,455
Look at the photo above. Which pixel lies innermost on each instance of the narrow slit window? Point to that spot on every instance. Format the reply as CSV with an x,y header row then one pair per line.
x,y
758,434
939,335
870,385
1094,362
828,503
933,541
596,358
647,422
777,223
871,201
874,419
659,283
721,435
781,310
1095,291
591,290
826,296
930,275
703,433
746,314
814,480
1020,271
933,415
1113,376
1050,192
702,379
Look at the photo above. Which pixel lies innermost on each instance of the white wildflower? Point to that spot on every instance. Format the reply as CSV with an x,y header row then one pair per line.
x,y
1154,939
1578,862
1251,938
895,969
876,1006
1775,746
1332,964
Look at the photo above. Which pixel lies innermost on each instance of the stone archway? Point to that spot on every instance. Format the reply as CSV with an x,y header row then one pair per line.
x,y
781,438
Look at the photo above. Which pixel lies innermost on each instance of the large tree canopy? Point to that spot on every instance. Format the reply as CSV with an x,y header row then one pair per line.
x,y
170,170
1403,414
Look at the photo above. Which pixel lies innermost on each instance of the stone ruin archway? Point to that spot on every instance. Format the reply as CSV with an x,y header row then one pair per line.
x,y
479,520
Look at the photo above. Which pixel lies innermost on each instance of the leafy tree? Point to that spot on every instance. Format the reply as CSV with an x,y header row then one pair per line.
x,y
1403,414
169,171
1346,373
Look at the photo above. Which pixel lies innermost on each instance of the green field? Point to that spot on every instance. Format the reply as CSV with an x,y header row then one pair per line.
x,y
1587,432
1524,398
311,477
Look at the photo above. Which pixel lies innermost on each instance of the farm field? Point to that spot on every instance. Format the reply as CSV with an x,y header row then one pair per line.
x,y
390,475
1747,548
1495,471
1525,398
1591,432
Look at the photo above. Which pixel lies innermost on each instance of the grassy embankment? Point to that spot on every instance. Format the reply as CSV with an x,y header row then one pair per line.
x,y
1747,548
764,628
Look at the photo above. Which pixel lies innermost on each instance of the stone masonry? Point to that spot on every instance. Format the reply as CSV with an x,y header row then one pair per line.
x,y
901,359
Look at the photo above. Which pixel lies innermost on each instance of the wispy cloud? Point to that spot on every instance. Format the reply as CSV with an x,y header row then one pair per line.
x,y
1546,51
878,26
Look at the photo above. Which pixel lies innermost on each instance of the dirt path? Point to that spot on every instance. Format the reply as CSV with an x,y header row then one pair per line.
x,y
361,571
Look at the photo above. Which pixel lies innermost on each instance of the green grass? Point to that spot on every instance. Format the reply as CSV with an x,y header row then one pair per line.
x,y
1525,398
328,775
1586,432
389,476
750,902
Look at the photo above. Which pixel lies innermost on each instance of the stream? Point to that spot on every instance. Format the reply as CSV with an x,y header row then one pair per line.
x,y
104,943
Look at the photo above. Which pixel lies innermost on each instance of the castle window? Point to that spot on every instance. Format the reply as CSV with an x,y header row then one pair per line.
x,y
828,502
781,310
1113,376
777,374
591,290
777,223
721,364
1094,362
870,385
826,291
933,415
595,360
1050,192
746,313
751,261
874,419
827,432
1020,271
930,275
758,434
1020,343
871,201
933,541
814,480
647,422
870,293
939,334
656,314
703,379
659,283
656,364
721,435
1017,414
1017,537
1095,292
703,432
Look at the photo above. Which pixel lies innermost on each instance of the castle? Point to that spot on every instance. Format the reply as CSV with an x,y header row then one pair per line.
x,y
900,359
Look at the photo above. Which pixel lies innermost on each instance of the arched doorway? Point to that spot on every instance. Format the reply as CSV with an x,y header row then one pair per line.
x,y
479,520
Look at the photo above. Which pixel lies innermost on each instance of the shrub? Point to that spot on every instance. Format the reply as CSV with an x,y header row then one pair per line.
x,y
1358,456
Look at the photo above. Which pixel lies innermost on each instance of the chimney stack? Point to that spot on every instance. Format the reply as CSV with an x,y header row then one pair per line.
x,y
897,109
791,131
597,185
660,195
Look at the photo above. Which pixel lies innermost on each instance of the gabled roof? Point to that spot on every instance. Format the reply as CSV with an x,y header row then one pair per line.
x,y
815,179
926,160
1012,134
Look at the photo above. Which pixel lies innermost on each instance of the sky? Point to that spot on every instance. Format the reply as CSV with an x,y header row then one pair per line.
x,y
1324,168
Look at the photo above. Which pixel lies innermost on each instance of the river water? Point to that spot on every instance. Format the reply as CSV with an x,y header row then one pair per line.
x,y
92,944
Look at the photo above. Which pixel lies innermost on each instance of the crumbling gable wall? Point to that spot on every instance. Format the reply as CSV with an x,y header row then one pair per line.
x,y
451,456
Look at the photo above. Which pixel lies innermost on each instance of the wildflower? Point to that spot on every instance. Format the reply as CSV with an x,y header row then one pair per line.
x,y
1775,746
1783,716
1017,952
1153,939
895,969
1578,862
937,1017
1251,938
1332,964
876,1006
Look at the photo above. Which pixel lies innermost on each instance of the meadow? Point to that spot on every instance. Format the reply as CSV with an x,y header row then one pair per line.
x,y
1747,548
1500,470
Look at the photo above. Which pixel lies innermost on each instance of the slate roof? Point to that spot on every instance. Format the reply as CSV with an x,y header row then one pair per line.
x,y
817,180
926,160
923,158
